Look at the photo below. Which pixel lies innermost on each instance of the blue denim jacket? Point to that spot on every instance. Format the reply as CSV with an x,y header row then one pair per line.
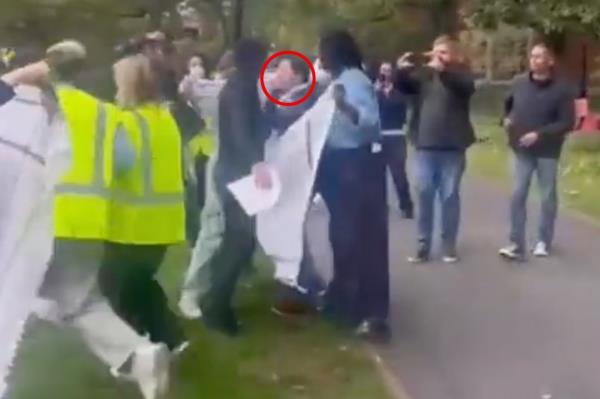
x,y
360,93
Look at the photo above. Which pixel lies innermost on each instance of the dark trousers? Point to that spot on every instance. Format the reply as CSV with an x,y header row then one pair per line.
x,y
128,280
352,183
395,154
233,256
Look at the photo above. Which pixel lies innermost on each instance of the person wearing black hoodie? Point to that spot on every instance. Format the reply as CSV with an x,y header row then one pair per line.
x,y
441,134
539,113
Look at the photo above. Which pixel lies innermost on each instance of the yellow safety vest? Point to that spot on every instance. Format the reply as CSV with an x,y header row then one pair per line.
x,y
81,204
147,206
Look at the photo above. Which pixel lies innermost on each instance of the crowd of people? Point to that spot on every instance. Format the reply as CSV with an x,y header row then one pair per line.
x,y
134,177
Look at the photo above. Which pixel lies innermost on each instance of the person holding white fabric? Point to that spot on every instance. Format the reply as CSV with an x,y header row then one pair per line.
x,y
34,152
80,225
290,83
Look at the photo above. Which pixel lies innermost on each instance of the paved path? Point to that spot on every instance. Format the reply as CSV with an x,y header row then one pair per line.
x,y
484,329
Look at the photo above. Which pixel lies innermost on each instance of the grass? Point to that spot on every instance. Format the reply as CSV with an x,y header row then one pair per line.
x,y
580,166
273,359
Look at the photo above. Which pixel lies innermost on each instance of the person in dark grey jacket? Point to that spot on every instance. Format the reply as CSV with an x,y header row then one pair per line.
x,y
242,134
441,134
539,113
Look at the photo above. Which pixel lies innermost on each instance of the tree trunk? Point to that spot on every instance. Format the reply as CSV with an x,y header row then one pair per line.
x,y
155,11
490,56
238,20
445,18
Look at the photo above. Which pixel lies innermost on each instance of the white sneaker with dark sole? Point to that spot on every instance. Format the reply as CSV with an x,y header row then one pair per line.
x,y
511,253
189,308
450,259
150,369
541,250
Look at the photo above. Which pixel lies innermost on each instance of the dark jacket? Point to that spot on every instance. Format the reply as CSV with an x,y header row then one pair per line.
x,y
547,108
280,118
242,130
6,93
442,101
392,109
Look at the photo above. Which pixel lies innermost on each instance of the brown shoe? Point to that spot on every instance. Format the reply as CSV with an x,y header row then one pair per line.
x,y
291,308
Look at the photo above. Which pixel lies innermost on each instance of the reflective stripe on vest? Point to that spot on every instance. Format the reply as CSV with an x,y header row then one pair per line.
x,y
98,187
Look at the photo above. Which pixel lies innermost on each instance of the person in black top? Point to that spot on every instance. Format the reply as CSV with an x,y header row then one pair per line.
x,y
241,136
442,133
539,113
392,113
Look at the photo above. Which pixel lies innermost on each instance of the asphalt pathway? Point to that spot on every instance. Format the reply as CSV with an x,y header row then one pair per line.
x,y
486,329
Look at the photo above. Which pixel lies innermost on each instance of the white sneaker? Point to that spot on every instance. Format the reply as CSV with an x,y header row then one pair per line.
x,y
47,310
189,308
150,369
180,349
512,252
541,250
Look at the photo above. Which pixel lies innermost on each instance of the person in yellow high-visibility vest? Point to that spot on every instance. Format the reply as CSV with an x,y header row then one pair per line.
x,y
147,212
82,207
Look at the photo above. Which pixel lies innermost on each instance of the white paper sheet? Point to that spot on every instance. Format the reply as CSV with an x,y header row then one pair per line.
x,y
295,157
254,199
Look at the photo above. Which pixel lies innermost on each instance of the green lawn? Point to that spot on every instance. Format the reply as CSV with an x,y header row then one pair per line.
x,y
272,359
580,168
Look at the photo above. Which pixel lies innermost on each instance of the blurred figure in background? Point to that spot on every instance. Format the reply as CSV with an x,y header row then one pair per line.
x,y
443,132
392,112
539,114
226,66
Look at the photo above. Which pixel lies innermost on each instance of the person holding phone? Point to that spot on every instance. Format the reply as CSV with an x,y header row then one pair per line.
x,y
441,132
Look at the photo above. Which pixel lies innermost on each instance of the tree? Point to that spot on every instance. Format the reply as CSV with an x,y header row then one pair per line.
x,y
549,17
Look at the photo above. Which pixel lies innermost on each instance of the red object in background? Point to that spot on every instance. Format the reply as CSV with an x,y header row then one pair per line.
x,y
586,122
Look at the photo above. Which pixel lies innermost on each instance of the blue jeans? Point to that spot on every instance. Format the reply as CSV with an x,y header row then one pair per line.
x,y
439,172
546,170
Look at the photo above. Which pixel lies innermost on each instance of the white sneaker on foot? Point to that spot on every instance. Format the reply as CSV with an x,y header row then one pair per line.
x,y
150,369
189,308
541,250
512,252
45,309
178,351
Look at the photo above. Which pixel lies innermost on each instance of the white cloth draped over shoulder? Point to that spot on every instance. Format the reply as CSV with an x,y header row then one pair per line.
x,y
34,153
295,157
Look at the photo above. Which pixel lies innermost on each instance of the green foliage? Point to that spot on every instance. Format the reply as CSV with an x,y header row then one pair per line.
x,y
547,16
384,27
273,359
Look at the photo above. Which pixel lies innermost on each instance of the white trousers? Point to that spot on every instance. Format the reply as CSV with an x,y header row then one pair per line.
x,y
71,282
